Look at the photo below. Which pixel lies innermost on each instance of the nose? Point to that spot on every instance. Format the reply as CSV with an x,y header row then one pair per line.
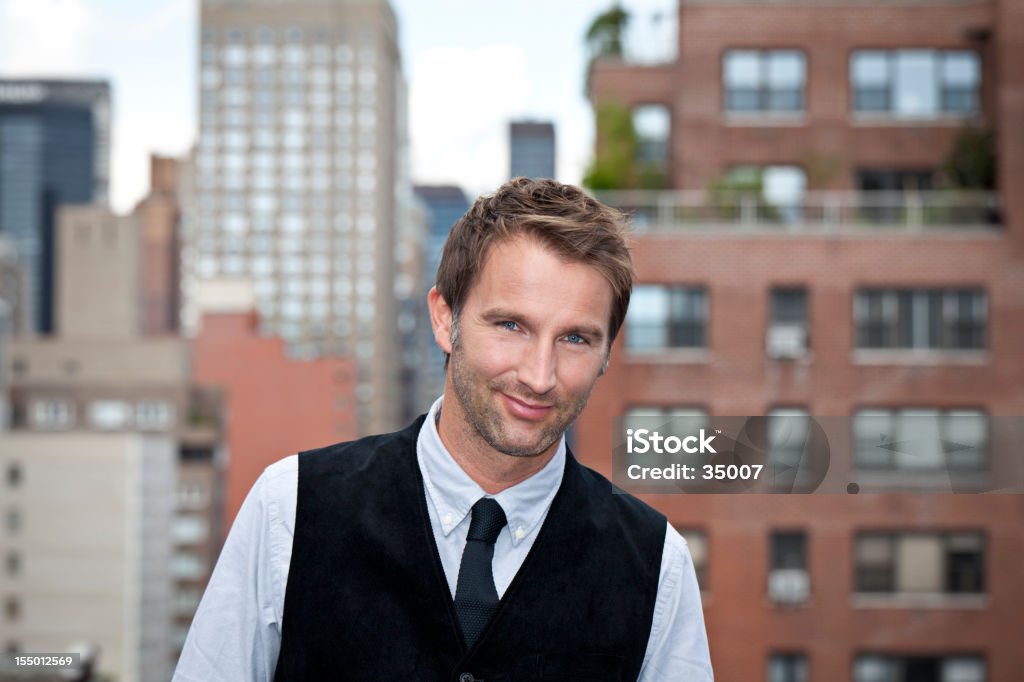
x,y
537,367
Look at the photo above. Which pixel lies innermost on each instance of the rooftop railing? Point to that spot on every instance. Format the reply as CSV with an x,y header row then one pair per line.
x,y
816,211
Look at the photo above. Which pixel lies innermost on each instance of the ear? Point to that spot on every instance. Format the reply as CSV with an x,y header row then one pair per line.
x,y
440,319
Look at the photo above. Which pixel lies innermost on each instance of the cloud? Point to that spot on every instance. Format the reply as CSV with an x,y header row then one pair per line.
x,y
145,51
167,16
46,37
460,103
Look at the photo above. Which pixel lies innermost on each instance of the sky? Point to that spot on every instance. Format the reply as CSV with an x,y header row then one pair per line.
x,y
471,66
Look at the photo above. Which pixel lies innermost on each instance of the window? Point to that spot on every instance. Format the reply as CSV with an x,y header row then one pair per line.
x,y
788,432
154,414
109,414
52,413
787,667
787,327
780,188
894,180
936,319
916,668
661,318
186,566
193,495
189,530
12,521
652,124
764,81
12,608
697,542
788,579
186,600
678,421
915,83
14,474
928,563
920,439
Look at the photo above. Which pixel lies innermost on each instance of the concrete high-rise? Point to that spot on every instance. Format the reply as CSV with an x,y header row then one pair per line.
x,y
444,204
297,176
531,149
106,424
54,149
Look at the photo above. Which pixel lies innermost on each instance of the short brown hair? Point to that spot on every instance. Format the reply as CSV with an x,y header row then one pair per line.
x,y
571,223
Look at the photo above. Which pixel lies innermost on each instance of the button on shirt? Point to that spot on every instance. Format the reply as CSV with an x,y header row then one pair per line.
x,y
236,632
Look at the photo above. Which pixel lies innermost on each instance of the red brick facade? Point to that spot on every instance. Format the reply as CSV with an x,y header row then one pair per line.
x,y
275,406
733,376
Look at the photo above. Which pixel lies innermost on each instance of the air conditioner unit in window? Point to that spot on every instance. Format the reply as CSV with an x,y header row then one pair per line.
x,y
789,585
786,341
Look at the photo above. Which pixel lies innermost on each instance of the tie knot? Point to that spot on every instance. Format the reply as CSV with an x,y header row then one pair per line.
x,y
488,520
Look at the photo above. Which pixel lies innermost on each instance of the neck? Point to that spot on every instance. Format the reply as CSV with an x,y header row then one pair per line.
x,y
490,469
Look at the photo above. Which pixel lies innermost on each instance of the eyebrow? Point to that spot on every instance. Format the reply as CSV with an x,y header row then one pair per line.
x,y
497,314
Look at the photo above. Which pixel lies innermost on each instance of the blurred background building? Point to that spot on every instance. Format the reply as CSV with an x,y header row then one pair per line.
x,y
54,149
298,180
828,200
531,146
829,206
103,420
276,405
443,205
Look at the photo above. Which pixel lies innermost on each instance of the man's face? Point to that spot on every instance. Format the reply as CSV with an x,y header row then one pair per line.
x,y
531,341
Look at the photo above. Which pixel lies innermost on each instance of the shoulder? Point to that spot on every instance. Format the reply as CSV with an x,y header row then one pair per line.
x,y
615,503
356,455
276,488
677,551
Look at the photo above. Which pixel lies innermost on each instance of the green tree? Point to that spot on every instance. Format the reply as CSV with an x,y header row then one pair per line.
x,y
971,163
604,37
612,167
616,164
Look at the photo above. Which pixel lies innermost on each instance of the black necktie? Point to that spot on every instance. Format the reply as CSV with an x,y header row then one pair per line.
x,y
475,597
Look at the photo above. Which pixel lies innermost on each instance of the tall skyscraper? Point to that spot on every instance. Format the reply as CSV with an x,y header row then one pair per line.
x,y
531,149
297,175
54,149
444,204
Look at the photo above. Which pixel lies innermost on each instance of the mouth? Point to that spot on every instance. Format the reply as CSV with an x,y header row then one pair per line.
x,y
524,410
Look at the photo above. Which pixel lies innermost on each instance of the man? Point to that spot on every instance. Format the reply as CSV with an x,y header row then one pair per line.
x,y
471,545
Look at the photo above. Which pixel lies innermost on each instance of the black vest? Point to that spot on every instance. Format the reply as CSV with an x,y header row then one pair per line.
x,y
367,598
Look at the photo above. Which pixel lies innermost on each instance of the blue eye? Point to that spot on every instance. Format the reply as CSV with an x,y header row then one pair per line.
x,y
576,339
509,325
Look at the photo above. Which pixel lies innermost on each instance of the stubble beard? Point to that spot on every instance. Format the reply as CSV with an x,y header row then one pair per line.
x,y
479,400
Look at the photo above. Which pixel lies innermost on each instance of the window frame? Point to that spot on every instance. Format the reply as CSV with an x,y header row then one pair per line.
x,y
943,88
673,330
889,570
764,92
919,319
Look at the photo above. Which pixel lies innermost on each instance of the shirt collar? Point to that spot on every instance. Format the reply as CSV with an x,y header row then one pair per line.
x,y
453,493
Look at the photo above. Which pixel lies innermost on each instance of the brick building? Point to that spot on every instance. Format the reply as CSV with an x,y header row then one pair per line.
x,y
276,405
814,258
159,216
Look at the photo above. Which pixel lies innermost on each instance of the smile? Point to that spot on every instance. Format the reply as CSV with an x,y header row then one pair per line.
x,y
525,410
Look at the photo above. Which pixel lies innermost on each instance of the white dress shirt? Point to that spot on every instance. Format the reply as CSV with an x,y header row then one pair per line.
x,y
236,632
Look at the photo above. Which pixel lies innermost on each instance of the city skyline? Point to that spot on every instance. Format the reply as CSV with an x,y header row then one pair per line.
x,y
468,77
